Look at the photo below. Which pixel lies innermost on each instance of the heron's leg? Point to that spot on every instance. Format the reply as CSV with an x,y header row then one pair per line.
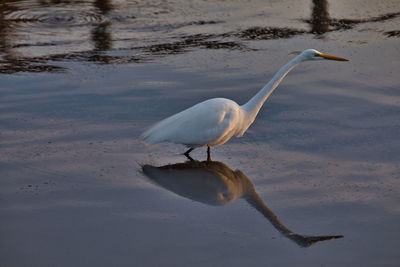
x,y
187,154
208,154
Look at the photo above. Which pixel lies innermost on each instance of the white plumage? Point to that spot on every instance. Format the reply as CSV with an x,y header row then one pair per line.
x,y
214,121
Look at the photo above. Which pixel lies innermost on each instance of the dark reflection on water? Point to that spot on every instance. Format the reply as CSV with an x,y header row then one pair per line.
x,y
321,22
214,183
392,33
101,35
114,32
268,33
104,6
320,17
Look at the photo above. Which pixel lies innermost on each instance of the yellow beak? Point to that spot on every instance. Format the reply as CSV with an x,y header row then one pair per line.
x,y
332,57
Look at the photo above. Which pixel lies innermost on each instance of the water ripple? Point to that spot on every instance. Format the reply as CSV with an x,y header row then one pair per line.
x,y
54,17
33,33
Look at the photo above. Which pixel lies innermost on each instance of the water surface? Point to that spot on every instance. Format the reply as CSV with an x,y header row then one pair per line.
x,y
81,80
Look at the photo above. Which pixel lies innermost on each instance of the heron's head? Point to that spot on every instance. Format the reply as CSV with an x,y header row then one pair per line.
x,y
312,54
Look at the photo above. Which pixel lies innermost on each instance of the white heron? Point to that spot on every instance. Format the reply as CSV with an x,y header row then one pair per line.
x,y
214,121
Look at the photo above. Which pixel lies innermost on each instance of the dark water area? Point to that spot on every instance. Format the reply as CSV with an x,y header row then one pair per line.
x,y
315,181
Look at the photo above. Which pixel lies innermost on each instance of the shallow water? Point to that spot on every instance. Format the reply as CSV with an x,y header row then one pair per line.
x,y
81,80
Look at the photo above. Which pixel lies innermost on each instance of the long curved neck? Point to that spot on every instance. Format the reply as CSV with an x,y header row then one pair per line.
x,y
256,202
253,106
305,241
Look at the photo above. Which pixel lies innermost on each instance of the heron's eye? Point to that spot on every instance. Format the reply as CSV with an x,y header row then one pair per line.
x,y
317,55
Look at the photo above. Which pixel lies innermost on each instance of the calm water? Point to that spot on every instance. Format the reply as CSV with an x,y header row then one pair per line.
x,y
315,180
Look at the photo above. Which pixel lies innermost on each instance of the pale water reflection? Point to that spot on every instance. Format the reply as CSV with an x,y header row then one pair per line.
x,y
214,183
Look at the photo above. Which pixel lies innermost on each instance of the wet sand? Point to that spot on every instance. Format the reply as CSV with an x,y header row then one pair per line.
x,y
323,154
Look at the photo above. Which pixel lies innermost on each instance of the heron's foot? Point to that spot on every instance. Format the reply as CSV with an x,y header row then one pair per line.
x,y
187,154
189,157
208,154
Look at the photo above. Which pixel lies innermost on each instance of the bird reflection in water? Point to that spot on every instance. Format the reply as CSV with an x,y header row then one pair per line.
x,y
214,183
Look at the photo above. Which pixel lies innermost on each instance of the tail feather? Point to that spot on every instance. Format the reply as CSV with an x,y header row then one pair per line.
x,y
161,131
